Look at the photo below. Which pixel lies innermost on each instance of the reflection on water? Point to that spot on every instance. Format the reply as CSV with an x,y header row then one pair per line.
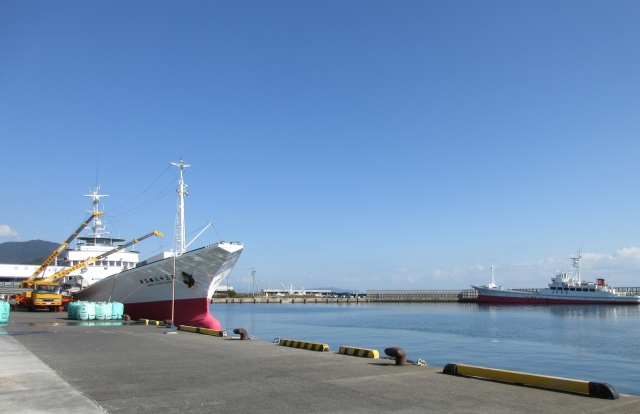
x,y
589,342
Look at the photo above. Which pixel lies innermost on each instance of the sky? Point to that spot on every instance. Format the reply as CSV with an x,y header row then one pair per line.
x,y
352,144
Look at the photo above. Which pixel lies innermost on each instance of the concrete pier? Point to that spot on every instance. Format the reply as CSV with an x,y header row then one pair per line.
x,y
131,368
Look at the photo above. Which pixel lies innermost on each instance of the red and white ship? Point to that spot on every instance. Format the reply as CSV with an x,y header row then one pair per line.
x,y
564,289
150,290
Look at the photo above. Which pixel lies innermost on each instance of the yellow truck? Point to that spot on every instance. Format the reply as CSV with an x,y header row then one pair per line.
x,y
45,296
42,296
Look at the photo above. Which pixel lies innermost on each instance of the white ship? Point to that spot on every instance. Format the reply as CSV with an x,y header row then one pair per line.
x,y
151,291
563,289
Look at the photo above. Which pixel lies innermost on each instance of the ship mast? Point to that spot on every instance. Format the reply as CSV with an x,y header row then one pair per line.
x,y
575,262
179,238
98,227
493,280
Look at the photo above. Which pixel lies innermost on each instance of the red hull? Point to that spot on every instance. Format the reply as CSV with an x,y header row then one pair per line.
x,y
542,301
191,312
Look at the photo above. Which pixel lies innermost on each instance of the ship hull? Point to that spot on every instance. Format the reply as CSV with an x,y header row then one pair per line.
x,y
151,291
506,296
191,312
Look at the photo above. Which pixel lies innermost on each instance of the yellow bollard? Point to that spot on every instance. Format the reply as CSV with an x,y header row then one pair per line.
x,y
594,389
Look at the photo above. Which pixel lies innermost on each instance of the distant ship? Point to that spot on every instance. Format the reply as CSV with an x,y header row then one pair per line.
x,y
564,289
151,291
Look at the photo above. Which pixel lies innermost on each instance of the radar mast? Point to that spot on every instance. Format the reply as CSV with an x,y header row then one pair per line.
x,y
575,262
98,227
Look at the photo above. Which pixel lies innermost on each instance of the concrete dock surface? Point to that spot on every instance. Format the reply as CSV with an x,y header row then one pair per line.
x,y
49,364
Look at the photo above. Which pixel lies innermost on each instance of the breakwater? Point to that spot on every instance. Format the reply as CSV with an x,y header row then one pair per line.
x,y
431,295
465,295
290,300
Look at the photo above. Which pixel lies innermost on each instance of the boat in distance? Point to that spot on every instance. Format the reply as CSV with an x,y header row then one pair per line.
x,y
176,285
564,289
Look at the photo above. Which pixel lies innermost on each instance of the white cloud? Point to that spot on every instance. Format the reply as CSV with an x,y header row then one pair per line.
x,y
439,274
350,281
451,277
406,275
629,252
6,231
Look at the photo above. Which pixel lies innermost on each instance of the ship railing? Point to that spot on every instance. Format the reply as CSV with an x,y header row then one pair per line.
x,y
629,290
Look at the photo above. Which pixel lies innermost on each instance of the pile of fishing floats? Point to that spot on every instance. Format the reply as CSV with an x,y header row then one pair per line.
x,y
4,311
100,311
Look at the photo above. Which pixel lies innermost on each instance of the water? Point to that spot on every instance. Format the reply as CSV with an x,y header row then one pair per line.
x,y
586,342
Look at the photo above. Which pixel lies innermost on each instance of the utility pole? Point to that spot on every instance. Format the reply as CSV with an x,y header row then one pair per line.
x,y
253,287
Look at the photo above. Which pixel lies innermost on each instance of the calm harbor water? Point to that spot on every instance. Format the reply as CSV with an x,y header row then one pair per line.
x,y
588,342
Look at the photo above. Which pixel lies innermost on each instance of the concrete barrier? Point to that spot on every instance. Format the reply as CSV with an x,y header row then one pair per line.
x,y
204,331
311,346
212,332
359,352
594,389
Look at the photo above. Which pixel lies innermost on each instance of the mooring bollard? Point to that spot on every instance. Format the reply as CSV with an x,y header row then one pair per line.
x,y
398,354
242,332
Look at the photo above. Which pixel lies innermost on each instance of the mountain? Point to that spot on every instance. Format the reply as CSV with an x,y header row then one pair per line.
x,y
30,252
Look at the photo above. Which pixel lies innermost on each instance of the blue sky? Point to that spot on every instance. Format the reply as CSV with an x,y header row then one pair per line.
x,y
364,145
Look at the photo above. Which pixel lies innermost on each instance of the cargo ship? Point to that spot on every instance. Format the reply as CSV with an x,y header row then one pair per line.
x,y
175,285
565,288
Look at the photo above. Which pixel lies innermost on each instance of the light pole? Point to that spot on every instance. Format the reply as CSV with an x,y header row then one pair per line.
x,y
253,287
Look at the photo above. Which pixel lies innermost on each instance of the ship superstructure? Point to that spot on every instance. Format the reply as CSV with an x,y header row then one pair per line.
x,y
94,244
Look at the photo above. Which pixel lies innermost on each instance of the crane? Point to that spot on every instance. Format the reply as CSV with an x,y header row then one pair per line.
x,y
46,293
288,288
28,283
91,260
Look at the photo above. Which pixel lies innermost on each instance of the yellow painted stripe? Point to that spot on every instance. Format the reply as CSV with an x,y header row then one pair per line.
x,y
312,346
150,322
359,352
543,381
